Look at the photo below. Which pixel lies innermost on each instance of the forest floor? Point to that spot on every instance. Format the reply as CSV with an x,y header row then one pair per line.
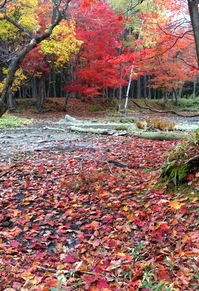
x,y
92,109
87,212
50,131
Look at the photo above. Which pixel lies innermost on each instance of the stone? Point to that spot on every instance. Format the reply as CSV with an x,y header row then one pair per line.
x,y
69,118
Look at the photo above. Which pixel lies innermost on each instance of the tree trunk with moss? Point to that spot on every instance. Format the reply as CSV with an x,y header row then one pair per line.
x,y
161,135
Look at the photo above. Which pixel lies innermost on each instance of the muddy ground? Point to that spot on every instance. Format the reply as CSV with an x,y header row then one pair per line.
x,y
57,135
39,137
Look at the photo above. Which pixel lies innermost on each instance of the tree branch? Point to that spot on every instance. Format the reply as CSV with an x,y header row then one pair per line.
x,y
57,16
3,3
19,26
132,7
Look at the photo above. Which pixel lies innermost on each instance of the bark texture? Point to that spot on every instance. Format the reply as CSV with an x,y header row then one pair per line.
x,y
194,15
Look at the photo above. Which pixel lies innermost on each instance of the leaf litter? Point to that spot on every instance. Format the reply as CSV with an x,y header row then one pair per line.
x,y
91,219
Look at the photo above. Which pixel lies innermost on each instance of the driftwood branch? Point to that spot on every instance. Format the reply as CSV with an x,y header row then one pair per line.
x,y
119,164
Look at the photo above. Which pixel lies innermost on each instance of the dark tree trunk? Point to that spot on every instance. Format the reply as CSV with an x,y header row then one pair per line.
x,y
66,103
41,93
175,96
54,83
194,88
34,87
145,88
11,101
138,94
119,98
194,15
3,107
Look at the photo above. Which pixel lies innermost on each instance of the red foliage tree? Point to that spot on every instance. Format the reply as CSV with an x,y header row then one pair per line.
x,y
100,29
170,58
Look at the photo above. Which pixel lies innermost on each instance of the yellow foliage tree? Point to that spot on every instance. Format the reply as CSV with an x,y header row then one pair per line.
x,y
62,42
19,78
22,29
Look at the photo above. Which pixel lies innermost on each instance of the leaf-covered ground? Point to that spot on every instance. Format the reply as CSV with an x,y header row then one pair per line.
x,y
91,219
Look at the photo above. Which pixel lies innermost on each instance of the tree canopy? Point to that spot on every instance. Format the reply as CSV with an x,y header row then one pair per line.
x,y
97,44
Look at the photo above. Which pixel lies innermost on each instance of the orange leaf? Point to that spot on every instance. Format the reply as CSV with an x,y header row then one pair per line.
x,y
185,238
125,208
122,255
94,223
175,204
192,252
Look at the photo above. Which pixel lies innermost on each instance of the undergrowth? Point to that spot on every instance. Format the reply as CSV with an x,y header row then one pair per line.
x,y
156,123
182,161
13,121
92,105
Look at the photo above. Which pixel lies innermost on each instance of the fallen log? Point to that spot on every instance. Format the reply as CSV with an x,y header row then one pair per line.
x,y
92,130
148,135
161,135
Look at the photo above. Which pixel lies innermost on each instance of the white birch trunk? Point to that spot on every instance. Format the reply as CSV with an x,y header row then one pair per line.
x,y
128,89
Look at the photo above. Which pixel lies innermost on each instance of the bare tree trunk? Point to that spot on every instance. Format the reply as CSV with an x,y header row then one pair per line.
x,y
166,96
175,96
194,88
128,89
145,88
66,103
34,87
149,90
54,83
138,94
180,92
11,101
3,107
119,98
41,93
120,91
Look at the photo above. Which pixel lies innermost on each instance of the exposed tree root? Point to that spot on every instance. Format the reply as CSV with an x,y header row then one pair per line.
x,y
148,107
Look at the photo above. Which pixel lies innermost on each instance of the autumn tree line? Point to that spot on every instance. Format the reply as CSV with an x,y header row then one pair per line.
x,y
88,48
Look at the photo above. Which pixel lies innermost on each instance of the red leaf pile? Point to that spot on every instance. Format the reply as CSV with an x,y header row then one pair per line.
x,y
93,218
